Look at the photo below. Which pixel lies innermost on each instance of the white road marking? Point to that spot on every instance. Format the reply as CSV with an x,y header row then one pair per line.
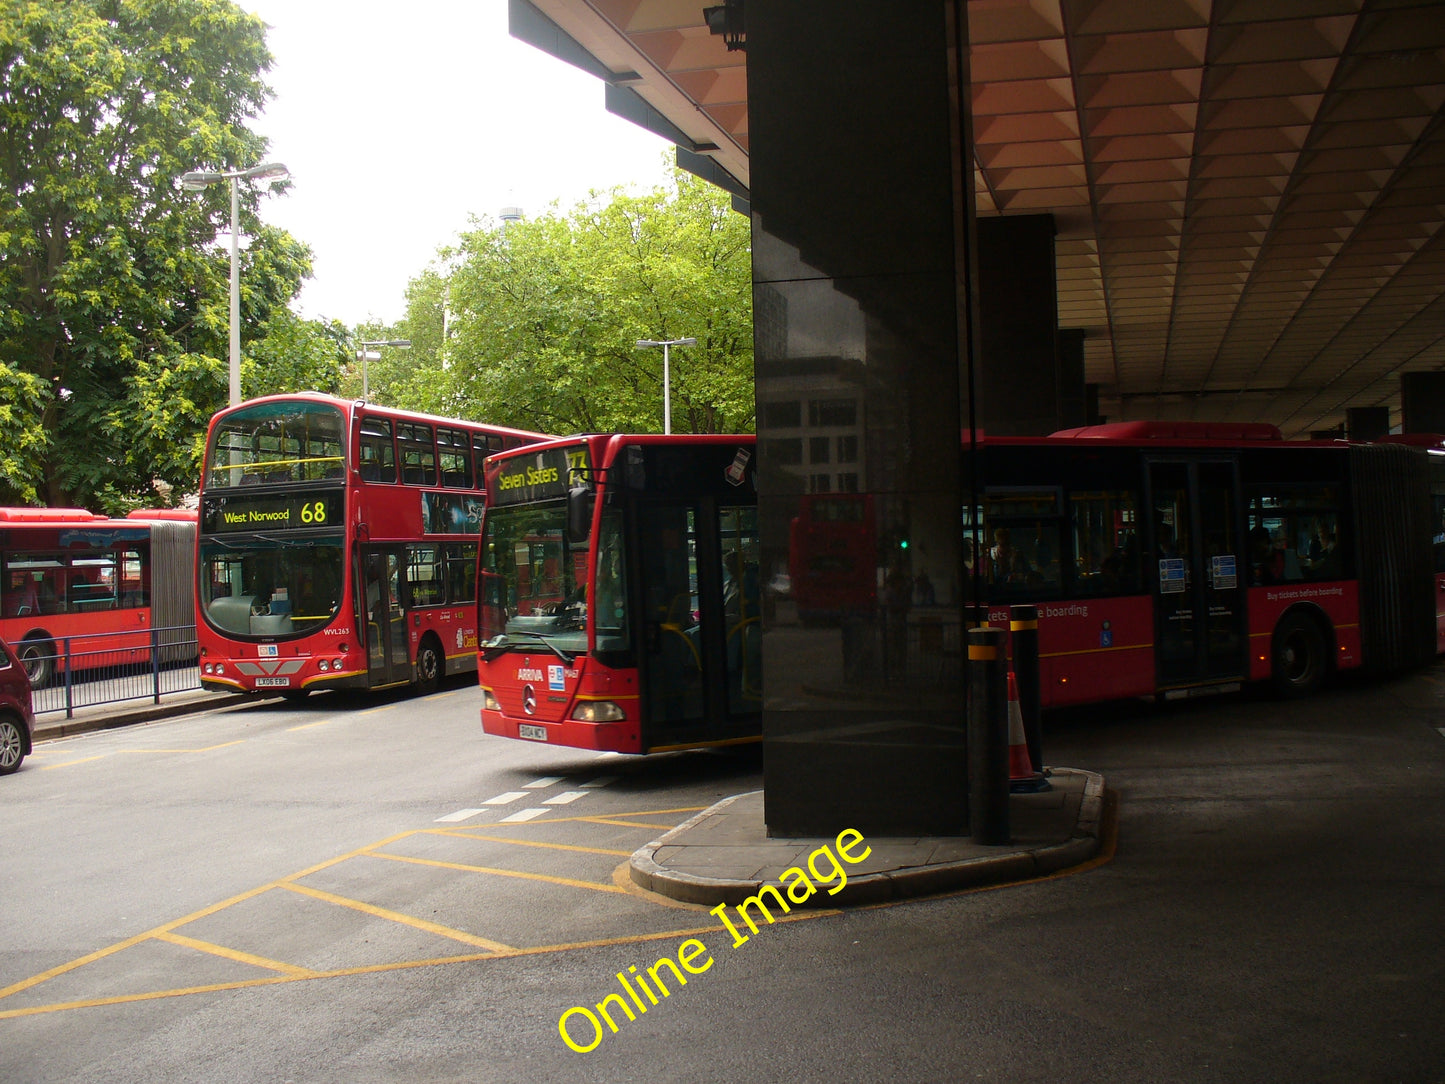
x,y
522,815
1441,729
459,815
565,797
506,799
545,781
600,781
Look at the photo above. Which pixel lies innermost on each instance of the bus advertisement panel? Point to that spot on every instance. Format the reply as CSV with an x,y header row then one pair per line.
x,y
68,573
338,544
620,599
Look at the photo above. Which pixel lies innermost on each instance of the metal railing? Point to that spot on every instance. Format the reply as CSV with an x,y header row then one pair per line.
x,y
108,668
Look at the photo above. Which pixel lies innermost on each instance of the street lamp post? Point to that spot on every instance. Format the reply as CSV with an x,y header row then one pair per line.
x,y
366,354
666,344
193,182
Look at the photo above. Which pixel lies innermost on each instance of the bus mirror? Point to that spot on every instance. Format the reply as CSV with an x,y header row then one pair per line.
x,y
579,514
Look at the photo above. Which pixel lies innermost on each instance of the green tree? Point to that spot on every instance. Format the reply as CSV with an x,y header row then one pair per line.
x,y
543,317
113,309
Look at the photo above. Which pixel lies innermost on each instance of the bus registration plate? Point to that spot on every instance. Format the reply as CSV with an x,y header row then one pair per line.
x,y
281,682
532,733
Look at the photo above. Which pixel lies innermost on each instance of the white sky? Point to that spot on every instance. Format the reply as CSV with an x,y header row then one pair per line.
x,y
399,121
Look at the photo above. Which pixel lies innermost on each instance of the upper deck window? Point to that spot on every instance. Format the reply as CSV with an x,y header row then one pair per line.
x,y
275,443
418,454
378,456
454,453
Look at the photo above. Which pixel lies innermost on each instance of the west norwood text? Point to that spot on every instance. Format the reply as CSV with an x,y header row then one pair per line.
x,y
582,1028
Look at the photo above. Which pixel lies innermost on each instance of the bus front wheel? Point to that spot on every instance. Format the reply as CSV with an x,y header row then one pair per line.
x,y
38,658
1300,656
429,665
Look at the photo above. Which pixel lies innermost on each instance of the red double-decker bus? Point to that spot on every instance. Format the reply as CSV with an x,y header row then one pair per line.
x,y
1181,558
67,574
338,544
833,556
620,599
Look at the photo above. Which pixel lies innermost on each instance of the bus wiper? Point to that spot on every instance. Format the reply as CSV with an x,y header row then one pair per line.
x,y
504,642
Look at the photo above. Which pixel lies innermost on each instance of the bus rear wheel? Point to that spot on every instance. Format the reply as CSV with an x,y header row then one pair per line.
x,y
1300,659
38,658
429,665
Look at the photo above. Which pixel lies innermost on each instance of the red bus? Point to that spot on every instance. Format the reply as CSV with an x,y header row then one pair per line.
x,y
338,544
1178,558
620,598
833,556
67,573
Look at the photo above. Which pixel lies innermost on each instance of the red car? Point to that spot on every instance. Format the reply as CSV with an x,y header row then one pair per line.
x,y
16,715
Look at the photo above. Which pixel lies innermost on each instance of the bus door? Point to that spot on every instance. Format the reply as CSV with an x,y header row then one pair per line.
x,y
1198,572
388,660
701,651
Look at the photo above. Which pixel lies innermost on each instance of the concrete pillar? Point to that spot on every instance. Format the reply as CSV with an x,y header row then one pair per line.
x,y
861,200
1367,423
1422,402
1020,385
1075,407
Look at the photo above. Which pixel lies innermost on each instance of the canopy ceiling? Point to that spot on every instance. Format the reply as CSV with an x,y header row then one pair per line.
x,y
1249,194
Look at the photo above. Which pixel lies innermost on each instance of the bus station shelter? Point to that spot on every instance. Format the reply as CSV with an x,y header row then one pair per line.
x,y
1022,216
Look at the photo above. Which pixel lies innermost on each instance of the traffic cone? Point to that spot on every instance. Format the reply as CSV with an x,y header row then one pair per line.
x,y
1022,777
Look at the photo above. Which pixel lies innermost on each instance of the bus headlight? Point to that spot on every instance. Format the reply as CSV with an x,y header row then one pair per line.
x,y
323,666
489,702
598,711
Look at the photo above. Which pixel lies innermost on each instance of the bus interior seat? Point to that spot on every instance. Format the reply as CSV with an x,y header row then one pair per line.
x,y
232,612
250,479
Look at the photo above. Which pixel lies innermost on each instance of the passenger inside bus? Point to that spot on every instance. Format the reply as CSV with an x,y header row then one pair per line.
x,y
1266,562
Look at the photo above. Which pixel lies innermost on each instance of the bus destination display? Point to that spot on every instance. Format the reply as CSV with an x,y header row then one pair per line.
x,y
535,477
292,512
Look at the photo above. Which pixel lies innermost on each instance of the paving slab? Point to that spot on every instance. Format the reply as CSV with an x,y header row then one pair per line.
x,y
724,854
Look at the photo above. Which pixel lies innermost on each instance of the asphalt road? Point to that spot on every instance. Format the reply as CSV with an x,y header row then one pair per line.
x,y
335,892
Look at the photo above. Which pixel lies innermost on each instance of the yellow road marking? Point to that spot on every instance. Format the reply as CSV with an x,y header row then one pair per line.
x,y
524,842
618,824
204,749
639,813
129,942
69,763
495,950
595,885
396,916
308,726
235,954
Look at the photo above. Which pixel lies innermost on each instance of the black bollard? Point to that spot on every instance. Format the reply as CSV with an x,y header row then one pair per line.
x,y
988,783
1024,632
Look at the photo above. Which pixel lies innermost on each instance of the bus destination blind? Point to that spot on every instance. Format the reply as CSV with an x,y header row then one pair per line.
x,y
267,513
538,476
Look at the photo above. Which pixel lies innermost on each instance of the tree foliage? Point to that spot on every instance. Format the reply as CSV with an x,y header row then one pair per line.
x,y
114,309
542,318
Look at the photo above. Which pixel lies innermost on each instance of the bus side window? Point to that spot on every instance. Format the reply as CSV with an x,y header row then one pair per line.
x,y
461,572
1106,542
424,575
376,456
455,458
418,454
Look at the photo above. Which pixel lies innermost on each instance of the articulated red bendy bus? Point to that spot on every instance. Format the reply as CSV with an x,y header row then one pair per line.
x,y
66,573
620,595
338,544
